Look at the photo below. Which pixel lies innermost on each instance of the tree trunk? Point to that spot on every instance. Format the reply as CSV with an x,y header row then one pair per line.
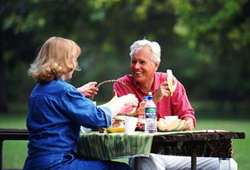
x,y
3,89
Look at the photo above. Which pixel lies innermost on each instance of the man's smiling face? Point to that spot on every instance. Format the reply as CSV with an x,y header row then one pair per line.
x,y
142,66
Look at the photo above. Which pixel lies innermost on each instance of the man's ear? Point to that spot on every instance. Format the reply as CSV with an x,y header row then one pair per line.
x,y
156,66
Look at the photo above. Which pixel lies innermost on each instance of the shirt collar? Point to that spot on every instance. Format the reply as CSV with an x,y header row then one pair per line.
x,y
137,86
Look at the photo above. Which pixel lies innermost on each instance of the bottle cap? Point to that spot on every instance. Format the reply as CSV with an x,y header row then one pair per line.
x,y
150,97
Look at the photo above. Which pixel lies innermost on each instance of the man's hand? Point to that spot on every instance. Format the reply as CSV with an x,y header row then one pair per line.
x,y
162,91
190,124
88,90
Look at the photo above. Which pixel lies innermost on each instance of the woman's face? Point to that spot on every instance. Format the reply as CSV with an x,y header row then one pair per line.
x,y
142,66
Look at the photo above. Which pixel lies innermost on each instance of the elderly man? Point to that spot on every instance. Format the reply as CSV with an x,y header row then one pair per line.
x,y
145,60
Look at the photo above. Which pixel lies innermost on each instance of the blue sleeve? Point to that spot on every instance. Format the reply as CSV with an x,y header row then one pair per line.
x,y
83,111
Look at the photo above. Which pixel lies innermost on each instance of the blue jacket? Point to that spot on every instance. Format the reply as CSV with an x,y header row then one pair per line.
x,y
56,112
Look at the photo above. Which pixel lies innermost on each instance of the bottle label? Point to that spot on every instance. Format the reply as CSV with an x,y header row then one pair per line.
x,y
150,112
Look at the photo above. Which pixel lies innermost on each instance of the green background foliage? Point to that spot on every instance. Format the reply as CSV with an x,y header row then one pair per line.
x,y
205,43
199,39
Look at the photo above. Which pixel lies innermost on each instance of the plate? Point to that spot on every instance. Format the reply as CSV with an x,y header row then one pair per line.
x,y
115,130
174,125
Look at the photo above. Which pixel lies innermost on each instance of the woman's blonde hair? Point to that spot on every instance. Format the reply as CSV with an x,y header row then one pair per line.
x,y
55,58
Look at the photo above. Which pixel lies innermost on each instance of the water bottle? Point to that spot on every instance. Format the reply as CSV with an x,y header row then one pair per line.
x,y
225,164
150,115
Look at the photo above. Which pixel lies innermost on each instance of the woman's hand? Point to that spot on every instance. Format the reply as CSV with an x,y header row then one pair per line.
x,y
118,104
162,91
88,90
189,124
129,100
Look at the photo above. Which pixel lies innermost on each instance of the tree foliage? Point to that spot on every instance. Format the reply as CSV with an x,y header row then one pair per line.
x,y
219,32
204,42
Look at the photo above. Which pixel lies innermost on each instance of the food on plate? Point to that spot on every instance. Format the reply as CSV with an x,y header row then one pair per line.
x,y
171,82
118,125
115,130
173,125
118,122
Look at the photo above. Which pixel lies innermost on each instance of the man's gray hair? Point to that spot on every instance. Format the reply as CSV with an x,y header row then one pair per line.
x,y
155,47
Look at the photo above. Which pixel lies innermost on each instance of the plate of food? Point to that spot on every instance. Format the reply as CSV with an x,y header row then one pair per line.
x,y
115,130
174,125
118,125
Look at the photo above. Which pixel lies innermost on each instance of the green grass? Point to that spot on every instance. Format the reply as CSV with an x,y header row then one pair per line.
x,y
15,152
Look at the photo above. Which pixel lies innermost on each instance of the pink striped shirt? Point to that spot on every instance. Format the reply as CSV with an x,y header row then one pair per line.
x,y
178,104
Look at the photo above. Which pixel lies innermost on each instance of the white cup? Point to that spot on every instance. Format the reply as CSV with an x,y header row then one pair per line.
x,y
130,124
170,118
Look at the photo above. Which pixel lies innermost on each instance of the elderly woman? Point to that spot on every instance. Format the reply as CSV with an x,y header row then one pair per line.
x,y
145,60
58,109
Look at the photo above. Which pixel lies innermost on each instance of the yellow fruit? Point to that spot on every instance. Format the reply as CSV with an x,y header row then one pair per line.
x,y
171,82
